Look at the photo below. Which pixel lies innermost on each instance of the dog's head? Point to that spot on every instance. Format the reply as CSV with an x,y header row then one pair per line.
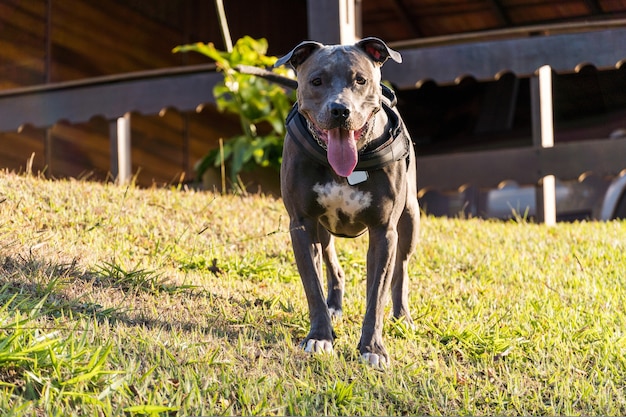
x,y
339,93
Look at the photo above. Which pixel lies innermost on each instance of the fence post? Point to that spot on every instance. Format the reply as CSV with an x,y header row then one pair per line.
x,y
543,136
333,21
47,150
122,149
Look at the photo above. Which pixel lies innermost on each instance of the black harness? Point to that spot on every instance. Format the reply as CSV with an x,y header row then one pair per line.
x,y
393,147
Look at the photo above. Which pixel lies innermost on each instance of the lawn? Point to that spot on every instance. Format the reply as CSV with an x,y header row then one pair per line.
x,y
126,301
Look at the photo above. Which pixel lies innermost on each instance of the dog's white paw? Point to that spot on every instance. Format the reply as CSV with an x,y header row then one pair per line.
x,y
318,346
375,360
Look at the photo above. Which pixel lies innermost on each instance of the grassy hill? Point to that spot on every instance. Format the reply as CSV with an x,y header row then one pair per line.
x,y
125,301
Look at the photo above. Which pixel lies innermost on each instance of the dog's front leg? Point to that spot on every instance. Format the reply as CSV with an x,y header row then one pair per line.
x,y
380,263
308,253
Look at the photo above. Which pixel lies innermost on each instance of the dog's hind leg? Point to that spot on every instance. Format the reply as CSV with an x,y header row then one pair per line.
x,y
408,236
334,274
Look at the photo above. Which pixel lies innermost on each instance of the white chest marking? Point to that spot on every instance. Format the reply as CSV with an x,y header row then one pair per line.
x,y
343,198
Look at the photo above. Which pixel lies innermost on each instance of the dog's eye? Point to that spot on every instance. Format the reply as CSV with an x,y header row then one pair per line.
x,y
316,82
360,80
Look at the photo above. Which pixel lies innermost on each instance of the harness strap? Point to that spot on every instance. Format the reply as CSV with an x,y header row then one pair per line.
x,y
394,148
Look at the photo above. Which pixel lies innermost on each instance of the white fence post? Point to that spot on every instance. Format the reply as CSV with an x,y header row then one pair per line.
x,y
543,132
124,163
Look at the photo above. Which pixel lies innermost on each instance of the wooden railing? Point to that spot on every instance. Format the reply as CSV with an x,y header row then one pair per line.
x,y
590,181
111,98
527,165
521,51
186,88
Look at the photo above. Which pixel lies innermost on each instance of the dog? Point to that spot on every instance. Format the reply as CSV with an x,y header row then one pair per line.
x,y
349,167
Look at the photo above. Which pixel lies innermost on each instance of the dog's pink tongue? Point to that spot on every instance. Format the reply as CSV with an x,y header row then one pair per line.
x,y
342,153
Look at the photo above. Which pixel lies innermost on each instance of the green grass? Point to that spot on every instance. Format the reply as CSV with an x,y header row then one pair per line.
x,y
123,301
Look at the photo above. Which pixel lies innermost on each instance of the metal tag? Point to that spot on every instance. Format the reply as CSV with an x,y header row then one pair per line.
x,y
357,177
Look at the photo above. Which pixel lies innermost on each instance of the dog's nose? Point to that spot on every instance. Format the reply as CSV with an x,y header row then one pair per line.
x,y
339,112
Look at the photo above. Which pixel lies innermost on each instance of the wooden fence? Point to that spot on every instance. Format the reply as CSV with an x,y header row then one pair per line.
x,y
72,127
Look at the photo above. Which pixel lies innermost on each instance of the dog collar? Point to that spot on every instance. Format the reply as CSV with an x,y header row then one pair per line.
x,y
394,146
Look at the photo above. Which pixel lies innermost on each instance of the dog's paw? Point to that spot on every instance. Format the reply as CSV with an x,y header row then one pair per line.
x,y
403,318
318,346
335,313
375,360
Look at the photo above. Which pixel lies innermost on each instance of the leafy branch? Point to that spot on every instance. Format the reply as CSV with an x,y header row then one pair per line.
x,y
261,105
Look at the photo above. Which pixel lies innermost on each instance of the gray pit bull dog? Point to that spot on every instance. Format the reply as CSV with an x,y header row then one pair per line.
x,y
349,167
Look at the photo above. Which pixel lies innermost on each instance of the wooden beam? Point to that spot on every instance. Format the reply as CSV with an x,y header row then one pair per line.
x,y
525,165
512,32
483,169
485,59
111,97
594,7
501,13
332,21
404,15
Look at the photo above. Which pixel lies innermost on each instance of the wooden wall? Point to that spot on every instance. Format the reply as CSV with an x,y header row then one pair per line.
x,y
23,27
51,41
60,40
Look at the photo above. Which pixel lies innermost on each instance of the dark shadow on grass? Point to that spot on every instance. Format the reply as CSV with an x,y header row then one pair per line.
x,y
61,289
27,280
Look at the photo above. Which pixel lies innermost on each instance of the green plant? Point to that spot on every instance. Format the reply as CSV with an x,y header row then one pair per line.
x,y
261,105
40,365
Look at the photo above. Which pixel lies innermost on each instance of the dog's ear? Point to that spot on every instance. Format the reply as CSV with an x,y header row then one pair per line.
x,y
378,50
299,54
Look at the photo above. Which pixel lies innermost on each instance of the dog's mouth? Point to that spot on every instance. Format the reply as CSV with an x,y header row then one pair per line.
x,y
341,145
